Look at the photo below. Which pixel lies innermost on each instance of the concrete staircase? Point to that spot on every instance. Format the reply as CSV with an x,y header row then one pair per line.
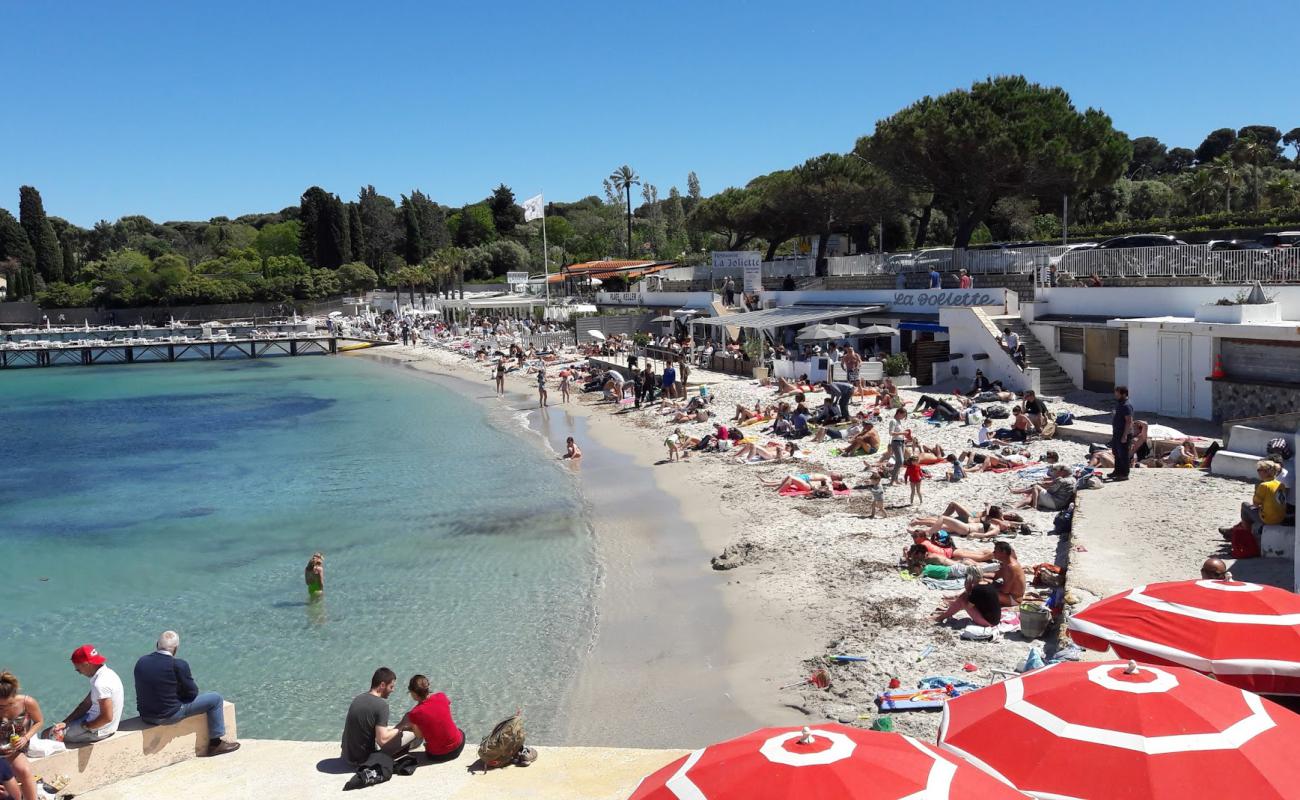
x,y
1244,447
1053,381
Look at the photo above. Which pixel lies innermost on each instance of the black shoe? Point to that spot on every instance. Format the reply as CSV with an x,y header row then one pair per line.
x,y
220,748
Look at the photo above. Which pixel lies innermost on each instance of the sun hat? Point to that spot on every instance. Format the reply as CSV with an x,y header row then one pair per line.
x,y
87,654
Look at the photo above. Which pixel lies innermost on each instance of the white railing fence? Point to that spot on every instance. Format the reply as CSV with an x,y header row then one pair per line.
x,y
974,261
1278,265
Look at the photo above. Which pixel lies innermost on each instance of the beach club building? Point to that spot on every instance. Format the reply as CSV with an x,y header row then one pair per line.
x,y
1203,351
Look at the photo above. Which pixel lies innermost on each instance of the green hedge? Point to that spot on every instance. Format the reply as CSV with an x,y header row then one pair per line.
x,y
1222,220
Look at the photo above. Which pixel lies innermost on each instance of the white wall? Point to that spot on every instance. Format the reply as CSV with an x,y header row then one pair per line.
x,y
910,301
969,337
1121,370
1157,301
1072,363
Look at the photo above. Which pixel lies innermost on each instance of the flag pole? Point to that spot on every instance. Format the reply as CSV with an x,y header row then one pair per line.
x,y
546,264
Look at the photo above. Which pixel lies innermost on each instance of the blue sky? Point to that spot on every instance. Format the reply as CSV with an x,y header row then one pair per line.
x,y
190,110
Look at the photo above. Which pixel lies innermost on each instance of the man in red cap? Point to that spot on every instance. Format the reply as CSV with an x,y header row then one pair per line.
x,y
99,713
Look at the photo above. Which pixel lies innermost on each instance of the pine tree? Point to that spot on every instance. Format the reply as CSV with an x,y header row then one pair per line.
x,y
40,233
415,248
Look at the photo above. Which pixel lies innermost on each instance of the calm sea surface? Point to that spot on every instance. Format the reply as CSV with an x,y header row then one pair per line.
x,y
139,498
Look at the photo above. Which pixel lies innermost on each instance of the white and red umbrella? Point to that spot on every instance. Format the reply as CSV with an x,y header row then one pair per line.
x,y
1244,634
1123,731
828,762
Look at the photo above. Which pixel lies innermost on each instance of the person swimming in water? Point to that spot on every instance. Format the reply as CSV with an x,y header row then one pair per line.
x,y
314,574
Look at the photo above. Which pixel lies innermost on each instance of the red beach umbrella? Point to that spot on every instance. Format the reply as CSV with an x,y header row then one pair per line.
x,y
1123,731
828,762
1244,634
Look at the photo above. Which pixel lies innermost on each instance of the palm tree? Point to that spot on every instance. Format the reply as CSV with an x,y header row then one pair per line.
x,y
624,179
1201,188
1281,191
1225,167
1251,150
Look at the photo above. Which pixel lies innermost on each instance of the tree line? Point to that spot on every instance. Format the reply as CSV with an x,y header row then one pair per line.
x,y
998,162
990,163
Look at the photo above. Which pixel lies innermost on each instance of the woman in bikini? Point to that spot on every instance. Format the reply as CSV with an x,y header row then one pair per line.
x,y
990,525
314,575
809,482
20,721
749,451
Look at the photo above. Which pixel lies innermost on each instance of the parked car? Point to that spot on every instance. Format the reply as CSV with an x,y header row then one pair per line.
x,y
991,258
1217,245
937,258
1283,239
1140,240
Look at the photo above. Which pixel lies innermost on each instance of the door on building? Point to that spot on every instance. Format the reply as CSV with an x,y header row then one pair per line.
x,y
1100,348
1175,367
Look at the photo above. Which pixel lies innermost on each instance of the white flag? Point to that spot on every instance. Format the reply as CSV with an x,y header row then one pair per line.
x,y
533,208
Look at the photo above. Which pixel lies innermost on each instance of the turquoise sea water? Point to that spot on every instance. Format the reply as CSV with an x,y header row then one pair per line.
x,y
139,498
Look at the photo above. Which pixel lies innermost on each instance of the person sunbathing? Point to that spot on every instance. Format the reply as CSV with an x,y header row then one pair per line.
x,y
959,511
948,552
1102,459
752,451
744,414
810,482
990,526
991,460
698,415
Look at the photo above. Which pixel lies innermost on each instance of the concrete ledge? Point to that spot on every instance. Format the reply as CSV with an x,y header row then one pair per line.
x,y
1232,464
1277,541
312,770
134,750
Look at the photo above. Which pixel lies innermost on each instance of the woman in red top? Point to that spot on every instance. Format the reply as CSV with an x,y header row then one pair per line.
x,y
431,716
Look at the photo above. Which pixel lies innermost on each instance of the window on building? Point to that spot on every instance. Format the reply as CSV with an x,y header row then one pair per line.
x,y
1069,340
1123,343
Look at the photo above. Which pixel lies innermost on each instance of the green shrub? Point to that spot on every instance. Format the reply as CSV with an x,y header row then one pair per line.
x,y
897,364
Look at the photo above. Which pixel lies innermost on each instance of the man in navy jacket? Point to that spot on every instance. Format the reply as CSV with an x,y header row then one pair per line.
x,y
165,693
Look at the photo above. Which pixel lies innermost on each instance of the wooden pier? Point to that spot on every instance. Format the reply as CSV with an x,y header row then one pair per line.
x,y
18,355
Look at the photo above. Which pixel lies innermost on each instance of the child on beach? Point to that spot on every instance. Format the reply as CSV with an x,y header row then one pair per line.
x,y
564,385
571,449
541,387
913,474
983,437
957,472
677,447
877,494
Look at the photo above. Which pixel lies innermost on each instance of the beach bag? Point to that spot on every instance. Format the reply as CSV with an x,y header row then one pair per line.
x,y
997,412
503,744
1243,542
1065,418
1063,522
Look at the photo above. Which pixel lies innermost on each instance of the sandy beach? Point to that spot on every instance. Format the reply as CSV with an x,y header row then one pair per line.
x,y
813,577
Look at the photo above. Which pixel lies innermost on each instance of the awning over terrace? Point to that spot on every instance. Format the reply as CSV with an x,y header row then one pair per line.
x,y
770,318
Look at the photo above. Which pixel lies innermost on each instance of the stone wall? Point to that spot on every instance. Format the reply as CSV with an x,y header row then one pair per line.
x,y
1234,400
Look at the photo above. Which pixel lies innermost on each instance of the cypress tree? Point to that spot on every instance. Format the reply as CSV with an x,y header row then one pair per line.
x,y
415,246
40,233
334,244
355,234
310,211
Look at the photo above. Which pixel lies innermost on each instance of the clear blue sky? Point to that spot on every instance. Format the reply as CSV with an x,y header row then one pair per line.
x,y
186,110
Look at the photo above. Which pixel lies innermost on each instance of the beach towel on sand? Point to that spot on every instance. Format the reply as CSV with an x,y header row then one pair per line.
x,y
943,585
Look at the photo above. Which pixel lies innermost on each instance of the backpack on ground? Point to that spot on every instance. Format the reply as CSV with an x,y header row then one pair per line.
x,y
997,412
1063,522
1065,418
504,744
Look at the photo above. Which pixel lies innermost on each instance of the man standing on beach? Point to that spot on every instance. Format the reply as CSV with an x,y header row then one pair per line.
x,y
99,713
852,363
165,693
1121,433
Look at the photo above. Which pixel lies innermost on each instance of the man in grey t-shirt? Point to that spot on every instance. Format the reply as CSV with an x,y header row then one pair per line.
x,y
366,729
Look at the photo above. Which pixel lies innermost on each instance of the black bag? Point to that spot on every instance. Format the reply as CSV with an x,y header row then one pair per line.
x,y
377,769
1063,522
996,412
